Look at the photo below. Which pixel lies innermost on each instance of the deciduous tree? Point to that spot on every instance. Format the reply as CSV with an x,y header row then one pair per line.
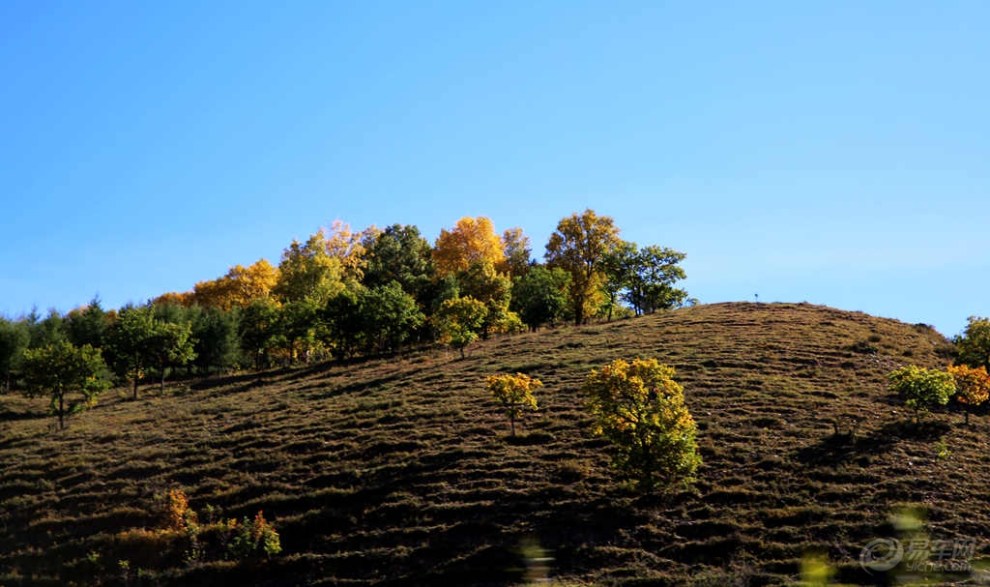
x,y
14,338
60,370
259,330
390,316
517,251
348,247
974,344
515,394
484,283
130,344
308,272
640,408
216,343
459,321
972,386
239,287
579,246
540,296
169,345
471,241
399,253
650,280
920,388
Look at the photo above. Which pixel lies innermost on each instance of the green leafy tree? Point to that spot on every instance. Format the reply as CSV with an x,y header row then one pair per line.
x,y
60,370
14,338
216,341
259,331
344,320
309,272
650,280
515,394
640,408
45,331
920,388
618,267
169,345
390,316
484,283
88,325
540,296
130,344
302,329
460,320
974,344
401,254
579,246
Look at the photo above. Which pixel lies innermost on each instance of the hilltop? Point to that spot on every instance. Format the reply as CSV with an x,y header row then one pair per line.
x,y
400,471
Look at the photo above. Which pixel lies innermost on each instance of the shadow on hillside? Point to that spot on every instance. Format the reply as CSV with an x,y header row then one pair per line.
x,y
844,447
465,537
8,415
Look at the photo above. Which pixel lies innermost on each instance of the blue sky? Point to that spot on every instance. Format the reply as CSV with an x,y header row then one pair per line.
x,y
830,152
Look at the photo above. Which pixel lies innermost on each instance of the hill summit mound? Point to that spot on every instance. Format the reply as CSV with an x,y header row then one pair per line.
x,y
401,471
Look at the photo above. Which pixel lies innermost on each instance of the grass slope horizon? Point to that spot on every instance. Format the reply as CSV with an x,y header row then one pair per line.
x,y
400,471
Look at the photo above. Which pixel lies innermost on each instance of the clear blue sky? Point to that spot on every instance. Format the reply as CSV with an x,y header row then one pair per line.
x,y
830,152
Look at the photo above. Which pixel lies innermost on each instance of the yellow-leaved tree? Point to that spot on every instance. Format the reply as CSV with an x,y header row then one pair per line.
x,y
308,272
517,251
640,408
239,287
348,247
580,246
471,241
515,394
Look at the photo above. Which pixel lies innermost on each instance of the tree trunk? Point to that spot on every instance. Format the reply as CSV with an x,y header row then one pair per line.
x,y
512,424
161,389
61,411
135,385
462,352
967,417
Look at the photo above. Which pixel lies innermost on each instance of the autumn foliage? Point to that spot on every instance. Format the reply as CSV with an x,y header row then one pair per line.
x,y
972,386
515,394
471,241
640,408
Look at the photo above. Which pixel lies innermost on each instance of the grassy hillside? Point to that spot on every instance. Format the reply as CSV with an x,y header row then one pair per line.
x,y
401,471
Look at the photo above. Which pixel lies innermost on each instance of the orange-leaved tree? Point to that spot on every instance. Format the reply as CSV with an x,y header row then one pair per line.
x,y
972,386
515,394
471,241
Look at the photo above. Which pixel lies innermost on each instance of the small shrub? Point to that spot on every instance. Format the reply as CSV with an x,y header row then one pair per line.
x,y
922,389
254,539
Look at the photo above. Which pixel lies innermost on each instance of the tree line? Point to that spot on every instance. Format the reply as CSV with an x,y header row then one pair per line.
x,y
341,294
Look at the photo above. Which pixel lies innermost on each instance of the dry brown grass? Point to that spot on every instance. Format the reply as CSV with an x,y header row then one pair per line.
x,y
401,471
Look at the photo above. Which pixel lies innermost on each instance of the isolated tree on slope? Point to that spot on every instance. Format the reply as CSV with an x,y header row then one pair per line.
x,y
61,369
